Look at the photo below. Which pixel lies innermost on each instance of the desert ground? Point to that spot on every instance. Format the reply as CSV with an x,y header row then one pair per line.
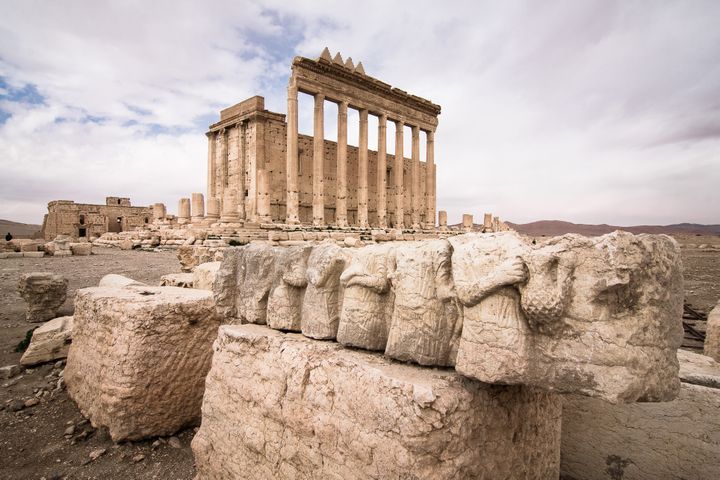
x,y
51,440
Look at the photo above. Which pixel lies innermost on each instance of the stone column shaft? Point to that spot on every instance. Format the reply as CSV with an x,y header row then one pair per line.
x,y
211,190
382,172
341,197
398,176
362,189
319,161
263,178
229,206
224,159
442,220
430,200
415,177
213,208
198,207
292,199
184,210
241,169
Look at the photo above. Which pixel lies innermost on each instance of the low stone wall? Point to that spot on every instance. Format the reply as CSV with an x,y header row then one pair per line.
x,y
139,357
280,405
647,441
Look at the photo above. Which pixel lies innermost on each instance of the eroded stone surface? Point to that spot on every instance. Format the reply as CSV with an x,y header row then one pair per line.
x,y
115,280
323,295
139,357
647,441
204,275
44,293
712,334
283,406
284,309
182,280
598,316
49,342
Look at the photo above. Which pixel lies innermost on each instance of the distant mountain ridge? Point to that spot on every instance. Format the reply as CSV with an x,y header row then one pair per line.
x,y
18,230
559,227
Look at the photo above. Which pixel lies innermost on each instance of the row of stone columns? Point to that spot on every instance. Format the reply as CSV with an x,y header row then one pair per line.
x,y
318,186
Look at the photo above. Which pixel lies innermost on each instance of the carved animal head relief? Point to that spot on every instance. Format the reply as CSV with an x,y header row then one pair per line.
x,y
544,297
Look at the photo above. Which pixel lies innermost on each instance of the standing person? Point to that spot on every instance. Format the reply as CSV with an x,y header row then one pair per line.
x,y
8,237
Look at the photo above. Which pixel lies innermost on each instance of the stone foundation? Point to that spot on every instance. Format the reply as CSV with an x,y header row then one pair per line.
x,y
283,406
139,357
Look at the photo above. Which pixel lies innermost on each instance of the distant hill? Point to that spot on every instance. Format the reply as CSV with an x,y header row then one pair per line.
x,y
18,230
558,227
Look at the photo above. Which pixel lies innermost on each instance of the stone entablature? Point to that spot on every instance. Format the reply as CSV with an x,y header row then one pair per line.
x,y
79,220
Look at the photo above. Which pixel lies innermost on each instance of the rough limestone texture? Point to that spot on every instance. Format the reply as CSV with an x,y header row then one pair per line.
x,y
115,280
647,441
49,342
368,299
323,299
712,334
182,280
204,275
427,318
280,405
597,316
81,248
284,307
44,293
139,357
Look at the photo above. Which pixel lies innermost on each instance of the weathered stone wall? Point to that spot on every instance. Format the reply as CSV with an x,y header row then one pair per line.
x,y
283,406
66,217
647,441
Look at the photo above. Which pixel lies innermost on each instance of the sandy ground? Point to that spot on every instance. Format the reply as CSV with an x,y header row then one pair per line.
x,y
33,440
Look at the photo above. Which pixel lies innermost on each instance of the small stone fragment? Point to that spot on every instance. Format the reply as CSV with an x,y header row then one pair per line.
x,y
174,442
31,402
138,458
97,453
70,430
9,371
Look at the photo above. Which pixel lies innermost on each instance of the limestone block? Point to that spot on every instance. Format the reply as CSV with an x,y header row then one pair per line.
x,y
427,318
33,254
44,293
115,280
126,244
323,295
597,316
284,308
182,280
190,256
280,405
204,275
139,357
368,299
84,248
712,334
648,441
49,342
14,255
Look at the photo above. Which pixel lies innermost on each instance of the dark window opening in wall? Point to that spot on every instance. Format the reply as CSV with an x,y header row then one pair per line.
x,y
82,221
118,201
82,232
119,219
246,193
146,219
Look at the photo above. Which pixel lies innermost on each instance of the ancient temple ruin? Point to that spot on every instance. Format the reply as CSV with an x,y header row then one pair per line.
x,y
259,161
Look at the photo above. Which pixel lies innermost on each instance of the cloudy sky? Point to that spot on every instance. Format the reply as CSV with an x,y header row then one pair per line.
x,y
587,111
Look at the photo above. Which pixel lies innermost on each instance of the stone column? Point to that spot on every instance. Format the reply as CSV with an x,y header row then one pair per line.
x,y
159,212
211,190
292,199
198,207
224,159
362,190
184,211
382,172
415,177
398,176
263,179
430,181
467,222
229,206
241,169
487,222
442,220
318,205
341,197
213,208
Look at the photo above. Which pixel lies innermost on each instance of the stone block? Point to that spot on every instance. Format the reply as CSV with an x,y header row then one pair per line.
x,y
33,254
280,405
49,342
10,371
115,280
647,441
599,316
323,294
182,280
126,244
44,293
82,248
139,357
284,308
204,275
712,334
14,255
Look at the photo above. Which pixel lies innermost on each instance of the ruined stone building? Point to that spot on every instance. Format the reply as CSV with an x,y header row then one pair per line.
x,y
78,220
258,161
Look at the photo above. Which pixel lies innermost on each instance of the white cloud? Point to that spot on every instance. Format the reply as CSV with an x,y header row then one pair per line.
x,y
585,111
